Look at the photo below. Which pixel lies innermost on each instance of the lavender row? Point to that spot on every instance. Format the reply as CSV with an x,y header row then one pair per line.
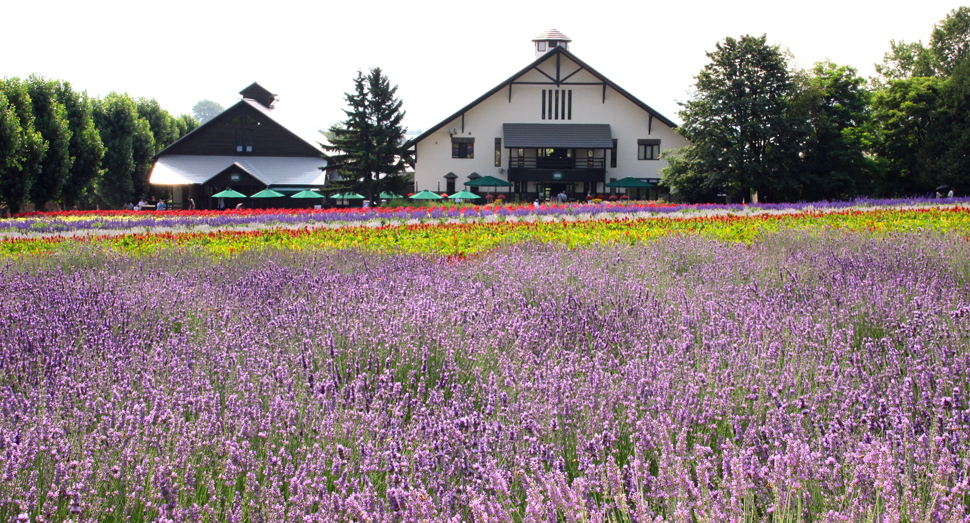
x,y
140,222
796,379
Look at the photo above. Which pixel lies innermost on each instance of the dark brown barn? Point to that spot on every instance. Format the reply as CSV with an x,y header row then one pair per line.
x,y
247,149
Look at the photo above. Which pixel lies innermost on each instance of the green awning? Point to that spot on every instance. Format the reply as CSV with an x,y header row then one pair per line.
x,y
390,196
349,196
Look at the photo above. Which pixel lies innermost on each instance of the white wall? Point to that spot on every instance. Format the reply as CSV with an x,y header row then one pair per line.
x,y
627,121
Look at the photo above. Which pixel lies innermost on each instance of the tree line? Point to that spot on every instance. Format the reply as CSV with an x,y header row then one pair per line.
x,y
760,128
57,145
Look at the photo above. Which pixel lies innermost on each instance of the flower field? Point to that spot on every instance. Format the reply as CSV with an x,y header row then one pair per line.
x,y
806,365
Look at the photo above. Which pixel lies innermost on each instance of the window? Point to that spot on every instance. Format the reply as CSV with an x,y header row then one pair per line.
x,y
613,154
451,187
244,140
558,110
462,147
648,149
498,152
542,46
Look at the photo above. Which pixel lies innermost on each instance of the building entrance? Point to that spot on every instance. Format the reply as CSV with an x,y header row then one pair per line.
x,y
553,190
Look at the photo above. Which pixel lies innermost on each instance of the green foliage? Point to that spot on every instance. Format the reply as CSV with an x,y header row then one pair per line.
x,y
905,60
205,110
836,159
11,136
15,182
51,121
367,146
186,123
164,128
85,147
128,145
907,112
950,41
685,173
740,119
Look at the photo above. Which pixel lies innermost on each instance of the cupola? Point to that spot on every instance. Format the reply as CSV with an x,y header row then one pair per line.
x,y
550,39
260,94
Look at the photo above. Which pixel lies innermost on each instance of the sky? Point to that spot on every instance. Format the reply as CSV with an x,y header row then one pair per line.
x,y
440,54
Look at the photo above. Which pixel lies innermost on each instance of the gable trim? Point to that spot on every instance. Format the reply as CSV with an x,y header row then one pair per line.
x,y
534,65
225,114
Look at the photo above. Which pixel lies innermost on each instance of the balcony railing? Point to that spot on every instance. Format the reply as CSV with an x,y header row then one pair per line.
x,y
532,162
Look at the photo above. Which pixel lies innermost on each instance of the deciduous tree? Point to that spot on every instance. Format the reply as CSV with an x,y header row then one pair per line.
x,y
205,110
85,148
950,41
907,112
15,184
837,160
11,152
128,145
740,120
50,120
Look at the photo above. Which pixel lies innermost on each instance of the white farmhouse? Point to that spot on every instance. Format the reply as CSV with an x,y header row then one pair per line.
x,y
556,125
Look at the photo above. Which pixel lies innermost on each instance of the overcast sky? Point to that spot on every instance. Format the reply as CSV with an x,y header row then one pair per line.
x,y
441,54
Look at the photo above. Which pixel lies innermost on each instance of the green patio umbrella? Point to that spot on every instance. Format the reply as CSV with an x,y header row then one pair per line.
x,y
307,194
630,183
268,193
488,181
229,193
464,195
426,195
390,196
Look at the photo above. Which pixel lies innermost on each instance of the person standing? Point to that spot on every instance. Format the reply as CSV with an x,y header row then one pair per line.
x,y
562,197
950,194
191,204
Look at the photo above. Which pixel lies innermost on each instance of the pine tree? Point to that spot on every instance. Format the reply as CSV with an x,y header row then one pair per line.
x,y
367,148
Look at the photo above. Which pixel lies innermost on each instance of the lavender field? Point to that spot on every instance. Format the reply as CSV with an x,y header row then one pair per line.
x,y
800,378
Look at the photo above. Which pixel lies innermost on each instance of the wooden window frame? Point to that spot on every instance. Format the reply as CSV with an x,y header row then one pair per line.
x,y
648,149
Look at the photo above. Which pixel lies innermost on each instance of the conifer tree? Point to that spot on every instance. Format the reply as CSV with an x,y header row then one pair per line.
x,y
367,148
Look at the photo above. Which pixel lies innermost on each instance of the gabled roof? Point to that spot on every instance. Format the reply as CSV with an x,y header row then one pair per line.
x,y
531,66
265,111
314,138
